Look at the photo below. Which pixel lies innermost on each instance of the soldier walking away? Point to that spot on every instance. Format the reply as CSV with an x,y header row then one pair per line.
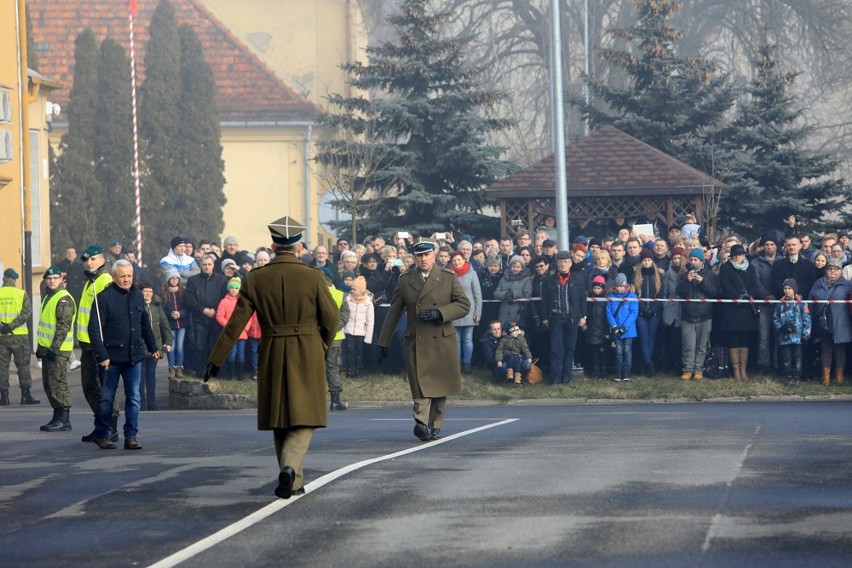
x,y
15,312
55,338
332,358
432,297
298,319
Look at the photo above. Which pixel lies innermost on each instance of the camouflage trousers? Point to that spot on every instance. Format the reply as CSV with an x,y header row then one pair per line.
x,y
54,377
332,368
17,346
90,378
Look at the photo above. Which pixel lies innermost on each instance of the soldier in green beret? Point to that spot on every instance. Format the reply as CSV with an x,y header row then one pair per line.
x,y
55,340
15,312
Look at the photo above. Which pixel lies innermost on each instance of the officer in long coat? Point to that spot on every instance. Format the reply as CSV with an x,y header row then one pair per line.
x,y
298,319
432,297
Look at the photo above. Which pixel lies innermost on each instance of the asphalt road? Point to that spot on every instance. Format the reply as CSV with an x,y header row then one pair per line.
x,y
709,484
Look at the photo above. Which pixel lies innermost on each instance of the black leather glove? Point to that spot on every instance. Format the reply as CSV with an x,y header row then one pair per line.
x,y
383,354
40,351
431,314
211,371
5,328
50,355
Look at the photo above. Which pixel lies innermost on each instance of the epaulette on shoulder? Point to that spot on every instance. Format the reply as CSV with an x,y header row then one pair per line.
x,y
447,270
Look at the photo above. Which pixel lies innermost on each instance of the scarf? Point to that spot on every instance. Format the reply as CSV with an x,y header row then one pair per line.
x,y
461,270
743,266
173,289
563,279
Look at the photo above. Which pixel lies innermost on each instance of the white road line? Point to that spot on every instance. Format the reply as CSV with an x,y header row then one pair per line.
x,y
717,518
278,504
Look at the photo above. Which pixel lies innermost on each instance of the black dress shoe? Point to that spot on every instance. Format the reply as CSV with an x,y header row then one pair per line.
x,y
285,482
422,432
435,434
90,437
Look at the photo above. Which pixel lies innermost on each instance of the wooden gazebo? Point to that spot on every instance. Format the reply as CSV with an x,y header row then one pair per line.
x,y
611,175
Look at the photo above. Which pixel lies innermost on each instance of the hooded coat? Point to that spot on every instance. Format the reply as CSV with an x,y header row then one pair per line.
x,y
298,320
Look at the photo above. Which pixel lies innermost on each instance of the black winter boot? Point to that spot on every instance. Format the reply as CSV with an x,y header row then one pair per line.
x,y
335,402
54,422
61,421
4,397
113,429
27,398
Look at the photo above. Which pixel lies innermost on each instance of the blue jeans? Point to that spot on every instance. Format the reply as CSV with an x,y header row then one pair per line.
x,y
563,342
464,342
176,354
131,374
623,357
238,352
516,362
647,328
253,347
148,383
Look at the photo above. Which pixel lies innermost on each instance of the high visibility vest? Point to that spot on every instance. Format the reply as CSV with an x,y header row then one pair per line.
x,y
338,297
47,322
11,304
87,300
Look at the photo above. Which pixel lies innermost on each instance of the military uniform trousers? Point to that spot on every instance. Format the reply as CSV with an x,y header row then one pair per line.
x,y
54,376
17,347
430,411
291,445
332,367
91,380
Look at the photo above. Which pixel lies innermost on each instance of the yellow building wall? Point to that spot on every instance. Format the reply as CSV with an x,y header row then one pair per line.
x,y
265,173
11,217
303,41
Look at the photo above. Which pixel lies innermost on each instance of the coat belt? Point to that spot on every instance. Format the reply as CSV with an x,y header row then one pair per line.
x,y
285,330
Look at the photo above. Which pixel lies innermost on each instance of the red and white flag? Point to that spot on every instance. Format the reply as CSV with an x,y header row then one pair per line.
x,y
131,5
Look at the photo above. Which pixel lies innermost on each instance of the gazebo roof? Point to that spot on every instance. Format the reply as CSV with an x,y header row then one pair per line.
x,y
608,163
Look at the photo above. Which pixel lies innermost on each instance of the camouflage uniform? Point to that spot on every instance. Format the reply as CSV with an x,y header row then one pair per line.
x,y
17,346
55,373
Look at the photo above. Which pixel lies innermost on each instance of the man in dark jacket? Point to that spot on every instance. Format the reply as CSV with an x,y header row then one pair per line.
x,y
564,300
697,283
763,265
794,266
121,336
489,342
204,291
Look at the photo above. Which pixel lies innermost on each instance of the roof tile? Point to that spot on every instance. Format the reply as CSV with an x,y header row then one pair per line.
x,y
247,89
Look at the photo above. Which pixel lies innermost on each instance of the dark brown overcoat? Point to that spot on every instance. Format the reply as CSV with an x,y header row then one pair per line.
x,y
431,354
298,320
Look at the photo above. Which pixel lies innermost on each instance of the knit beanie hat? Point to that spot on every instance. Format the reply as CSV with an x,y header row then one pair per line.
x,y
620,279
349,274
599,281
792,284
176,241
235,283
226,263
697,253
646,253
517,258
359,285
171,273
678,250
514,327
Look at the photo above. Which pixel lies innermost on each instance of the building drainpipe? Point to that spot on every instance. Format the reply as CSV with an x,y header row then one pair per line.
x,y
308,220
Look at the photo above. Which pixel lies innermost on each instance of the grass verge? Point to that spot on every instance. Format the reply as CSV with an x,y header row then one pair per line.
x,y
373,388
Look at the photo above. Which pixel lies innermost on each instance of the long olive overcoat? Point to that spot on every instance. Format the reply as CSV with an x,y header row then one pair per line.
x,y
431,354
298,320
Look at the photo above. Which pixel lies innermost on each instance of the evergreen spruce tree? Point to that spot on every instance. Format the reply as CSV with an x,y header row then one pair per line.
x,y
113,208
198,202
159,126
774,175
433,106
73,185
672,102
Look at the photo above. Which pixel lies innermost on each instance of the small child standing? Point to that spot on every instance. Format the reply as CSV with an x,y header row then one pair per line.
x,y
596,328
621,316
514,354
359,327
792,319
236,358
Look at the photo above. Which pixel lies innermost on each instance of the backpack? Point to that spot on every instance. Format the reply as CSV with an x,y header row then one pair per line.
x,y
717,364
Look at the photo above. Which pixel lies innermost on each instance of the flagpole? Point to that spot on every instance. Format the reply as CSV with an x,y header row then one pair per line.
x,y
133,9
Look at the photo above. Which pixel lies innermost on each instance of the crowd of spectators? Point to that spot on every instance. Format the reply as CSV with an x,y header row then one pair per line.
x,y
576,310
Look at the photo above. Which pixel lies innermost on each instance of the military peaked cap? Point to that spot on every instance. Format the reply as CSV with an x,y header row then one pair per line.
x,y
286,231
423,246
